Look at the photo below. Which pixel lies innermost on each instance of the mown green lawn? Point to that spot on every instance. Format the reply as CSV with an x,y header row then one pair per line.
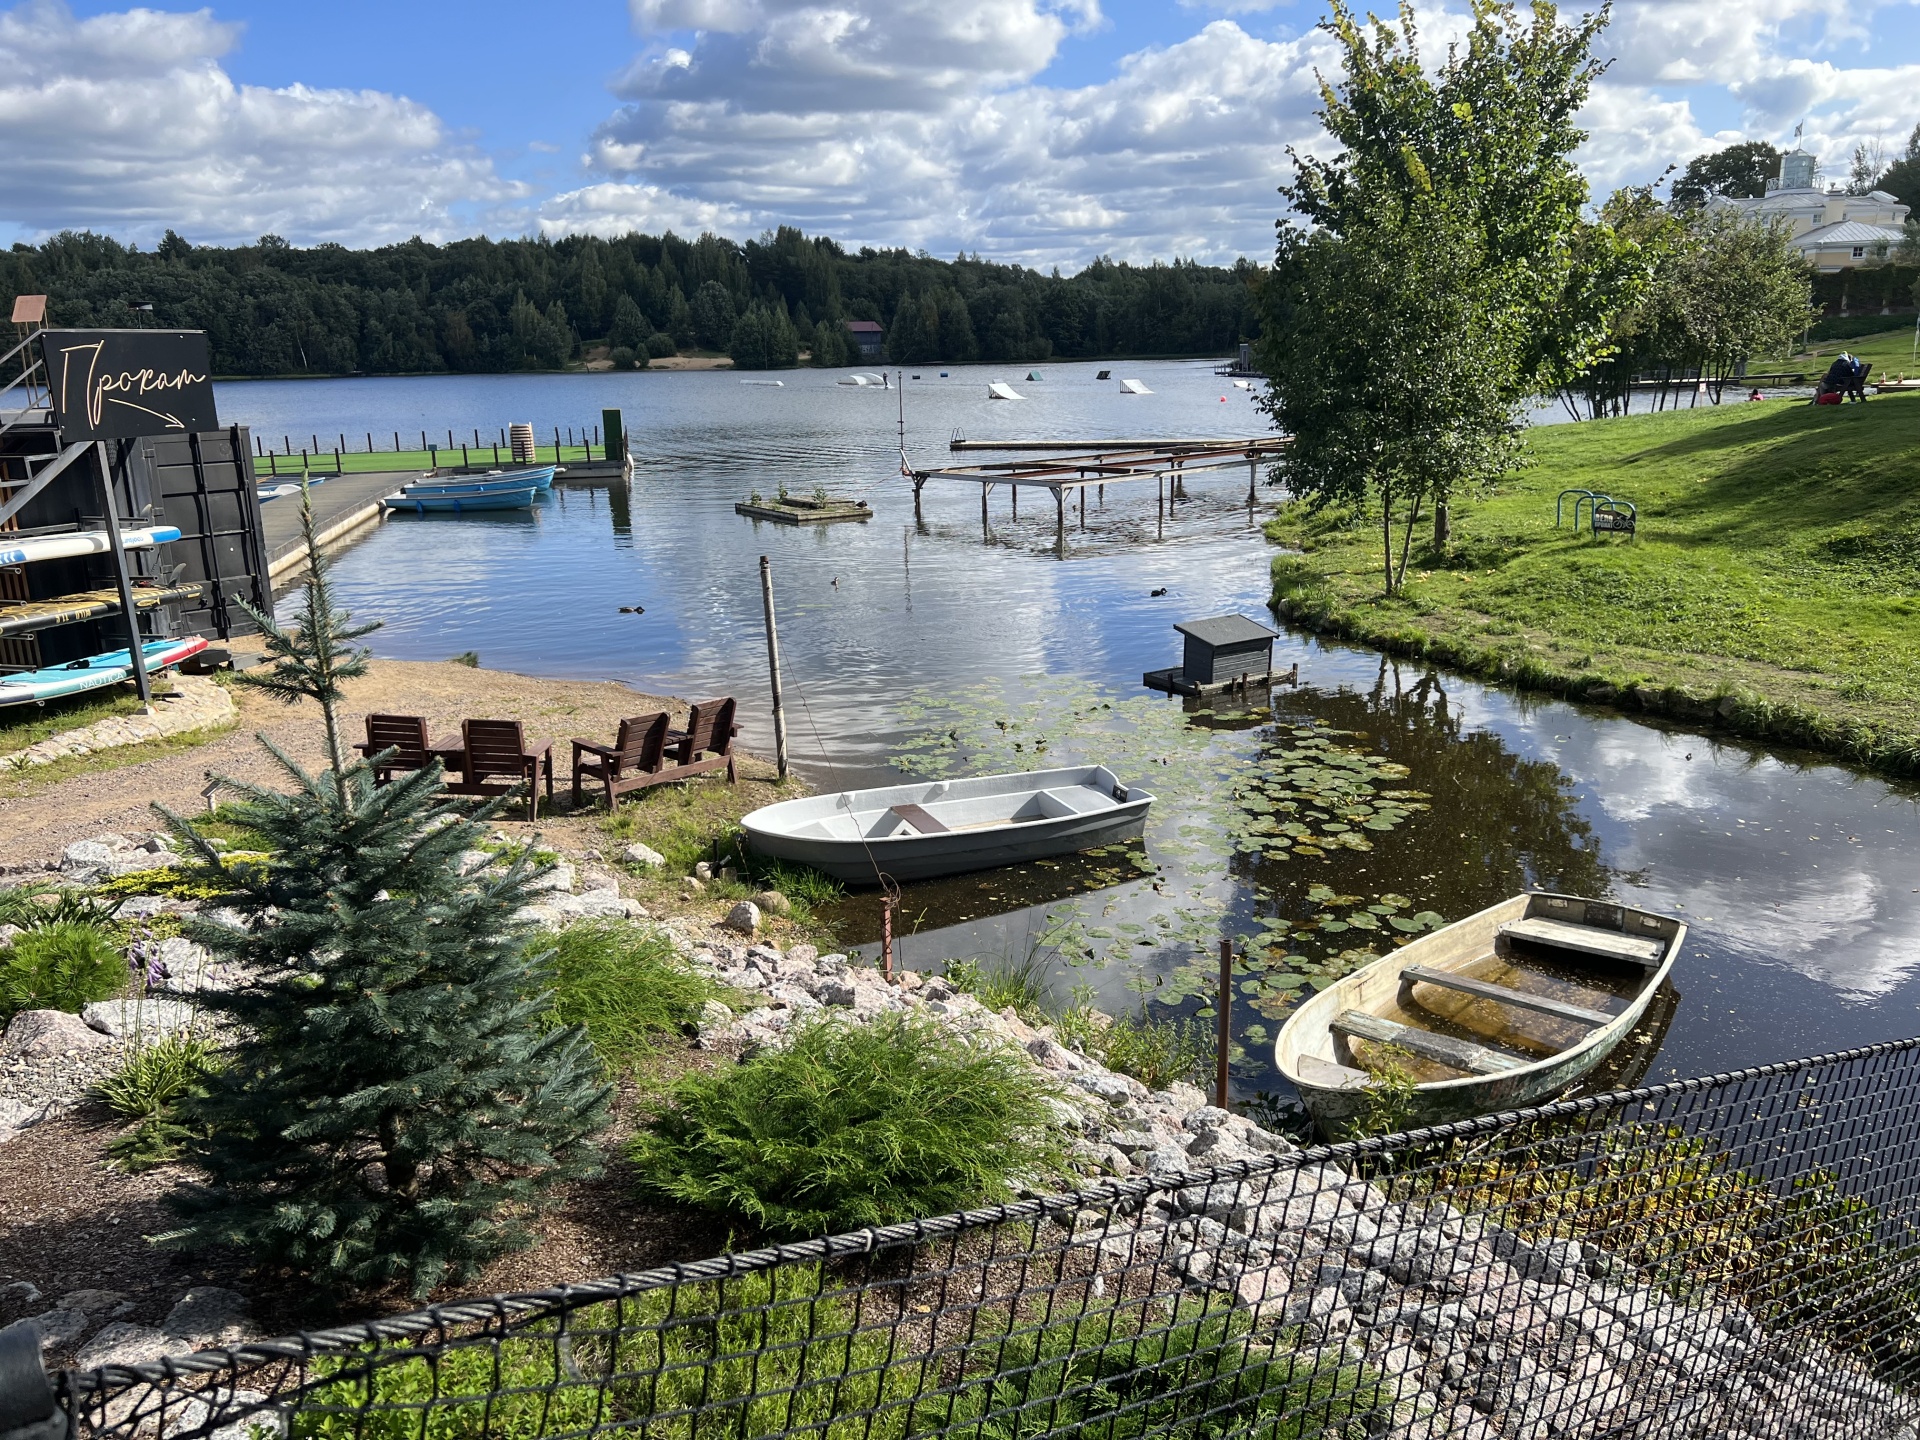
x,y
1778,563
1891,351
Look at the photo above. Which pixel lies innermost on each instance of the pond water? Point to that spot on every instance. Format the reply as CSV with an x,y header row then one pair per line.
x,y
944,643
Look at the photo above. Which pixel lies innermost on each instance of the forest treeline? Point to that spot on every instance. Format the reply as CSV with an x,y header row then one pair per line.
x,y
498,305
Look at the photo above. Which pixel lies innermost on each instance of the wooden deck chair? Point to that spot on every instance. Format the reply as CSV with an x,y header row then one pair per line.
x,y
710,731
496,758
628,763
406,736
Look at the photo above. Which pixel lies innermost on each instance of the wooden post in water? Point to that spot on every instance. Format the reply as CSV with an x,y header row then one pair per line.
x,y
773,667
1083,507
1060,518
1225,1007
1160,505
886,937
1016,500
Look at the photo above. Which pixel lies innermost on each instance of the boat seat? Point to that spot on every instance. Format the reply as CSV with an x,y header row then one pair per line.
x,y
1486,990
1586,940
1459,1054
920,819
1330,1076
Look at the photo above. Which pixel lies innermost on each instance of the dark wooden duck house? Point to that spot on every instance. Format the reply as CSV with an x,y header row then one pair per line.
x,y
1223,652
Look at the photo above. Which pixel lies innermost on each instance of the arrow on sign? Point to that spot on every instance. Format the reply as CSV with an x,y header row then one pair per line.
x,y
172,420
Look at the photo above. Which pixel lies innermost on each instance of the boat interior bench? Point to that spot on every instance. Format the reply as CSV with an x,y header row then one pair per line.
x,y
1586,940
920,819
1487,990
1459,1054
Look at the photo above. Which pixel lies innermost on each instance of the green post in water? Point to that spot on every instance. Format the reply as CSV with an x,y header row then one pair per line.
x,y
615,434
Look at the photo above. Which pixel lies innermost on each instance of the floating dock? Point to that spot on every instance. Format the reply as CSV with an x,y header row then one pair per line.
x,y
794,510
341,505
1173,681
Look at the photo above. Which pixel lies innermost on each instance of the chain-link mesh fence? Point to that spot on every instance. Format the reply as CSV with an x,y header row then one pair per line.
x,y
1736,1256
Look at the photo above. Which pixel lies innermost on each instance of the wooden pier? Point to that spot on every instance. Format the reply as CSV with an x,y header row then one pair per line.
x,y
1094,465
341,505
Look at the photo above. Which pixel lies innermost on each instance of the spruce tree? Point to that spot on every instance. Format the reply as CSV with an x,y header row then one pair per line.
x,y
393,1104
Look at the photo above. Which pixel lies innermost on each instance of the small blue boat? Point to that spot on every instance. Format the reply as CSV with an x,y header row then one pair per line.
x,y
539,478
460,501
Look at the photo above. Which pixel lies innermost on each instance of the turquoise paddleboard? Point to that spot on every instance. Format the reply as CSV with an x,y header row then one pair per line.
x,y
93,672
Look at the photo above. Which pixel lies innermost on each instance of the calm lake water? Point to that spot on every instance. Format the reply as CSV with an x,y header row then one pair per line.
x,y
1796,875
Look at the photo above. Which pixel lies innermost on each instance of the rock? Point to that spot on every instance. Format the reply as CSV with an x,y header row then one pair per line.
x,y
599,905
7,932
109,855
19,1115
226,1415
148,1016
559,878
646,855
58,1328
89,1302
1054,1056
41,1034
805,954
702,872
744,917
122,1344
713,1015
18,1299
141,907
207,1315
774,903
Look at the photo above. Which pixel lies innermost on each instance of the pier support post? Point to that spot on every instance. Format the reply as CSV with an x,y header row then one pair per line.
x,y
1160,506
1253,478
1083,507
1060,520
1016,499
773,667
983,508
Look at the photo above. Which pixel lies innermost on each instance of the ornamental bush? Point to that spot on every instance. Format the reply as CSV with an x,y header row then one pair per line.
x,y
65,966
852,1125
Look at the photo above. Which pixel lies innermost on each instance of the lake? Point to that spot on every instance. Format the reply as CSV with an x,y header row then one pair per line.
x,y
959,641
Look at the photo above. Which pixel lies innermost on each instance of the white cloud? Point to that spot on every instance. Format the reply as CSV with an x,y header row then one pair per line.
x,y
128,123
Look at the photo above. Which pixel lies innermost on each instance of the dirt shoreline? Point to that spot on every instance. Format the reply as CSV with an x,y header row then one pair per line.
x,y
40,819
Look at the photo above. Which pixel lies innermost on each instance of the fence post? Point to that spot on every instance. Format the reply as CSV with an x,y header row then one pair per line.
x,y
28,1410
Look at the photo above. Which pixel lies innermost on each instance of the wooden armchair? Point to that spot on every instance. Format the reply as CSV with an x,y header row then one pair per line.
x,y
496,758
710,731
406,736
628,763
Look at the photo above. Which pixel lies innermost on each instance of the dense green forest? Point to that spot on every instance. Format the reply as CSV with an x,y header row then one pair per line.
x,y
492,305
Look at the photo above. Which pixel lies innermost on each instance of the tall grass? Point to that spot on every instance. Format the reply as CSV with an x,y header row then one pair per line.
x,y
851,1125
782,1353
626,986
148,1090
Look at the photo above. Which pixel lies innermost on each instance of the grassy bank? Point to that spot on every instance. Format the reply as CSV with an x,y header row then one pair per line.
x,y
1774,589
1891,351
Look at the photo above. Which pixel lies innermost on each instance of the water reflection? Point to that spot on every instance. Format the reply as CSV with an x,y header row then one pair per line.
x,y
1796,875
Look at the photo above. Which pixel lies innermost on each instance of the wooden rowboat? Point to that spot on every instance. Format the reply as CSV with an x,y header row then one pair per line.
x,y
1503,1009
947,827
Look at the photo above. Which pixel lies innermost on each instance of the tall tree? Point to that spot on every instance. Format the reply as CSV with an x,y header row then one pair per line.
x,y
1475,154
1739,172
392,1106
1902,178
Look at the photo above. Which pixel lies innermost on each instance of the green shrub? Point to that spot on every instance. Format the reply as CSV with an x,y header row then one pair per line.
x,y
37,905
626,986
801,883
59,967
851,1125
147,1090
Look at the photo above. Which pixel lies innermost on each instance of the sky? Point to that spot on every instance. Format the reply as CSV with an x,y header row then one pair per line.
x,y
1045,132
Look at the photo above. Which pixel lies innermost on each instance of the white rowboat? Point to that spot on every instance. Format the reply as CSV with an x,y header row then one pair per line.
x,y
1505,1008
947,827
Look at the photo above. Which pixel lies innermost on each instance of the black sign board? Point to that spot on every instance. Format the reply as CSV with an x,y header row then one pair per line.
x,y
120,384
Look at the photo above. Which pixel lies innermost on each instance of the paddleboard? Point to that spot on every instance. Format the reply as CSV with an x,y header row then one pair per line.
x,y
94,672
26,550
87,605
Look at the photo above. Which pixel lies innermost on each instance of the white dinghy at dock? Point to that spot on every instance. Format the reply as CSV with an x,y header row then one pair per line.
x,y
947,827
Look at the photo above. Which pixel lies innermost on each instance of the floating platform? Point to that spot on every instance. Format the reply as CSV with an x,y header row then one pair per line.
x,y
797,511
1173,681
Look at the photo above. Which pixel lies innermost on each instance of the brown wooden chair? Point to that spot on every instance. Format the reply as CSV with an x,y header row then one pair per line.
x,y
710,731
496,757
406,736
628,763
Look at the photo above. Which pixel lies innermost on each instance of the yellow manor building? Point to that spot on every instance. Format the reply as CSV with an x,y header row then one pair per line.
x,y
1834,230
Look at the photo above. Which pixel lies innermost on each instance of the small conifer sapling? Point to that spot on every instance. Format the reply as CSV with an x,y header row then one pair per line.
x,y
393,1107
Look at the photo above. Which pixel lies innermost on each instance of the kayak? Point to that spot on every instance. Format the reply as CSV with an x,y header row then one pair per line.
x,y
26,550
86,605
95,671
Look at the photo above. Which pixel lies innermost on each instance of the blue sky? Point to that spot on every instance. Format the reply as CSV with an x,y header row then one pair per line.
x,y
1047,131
